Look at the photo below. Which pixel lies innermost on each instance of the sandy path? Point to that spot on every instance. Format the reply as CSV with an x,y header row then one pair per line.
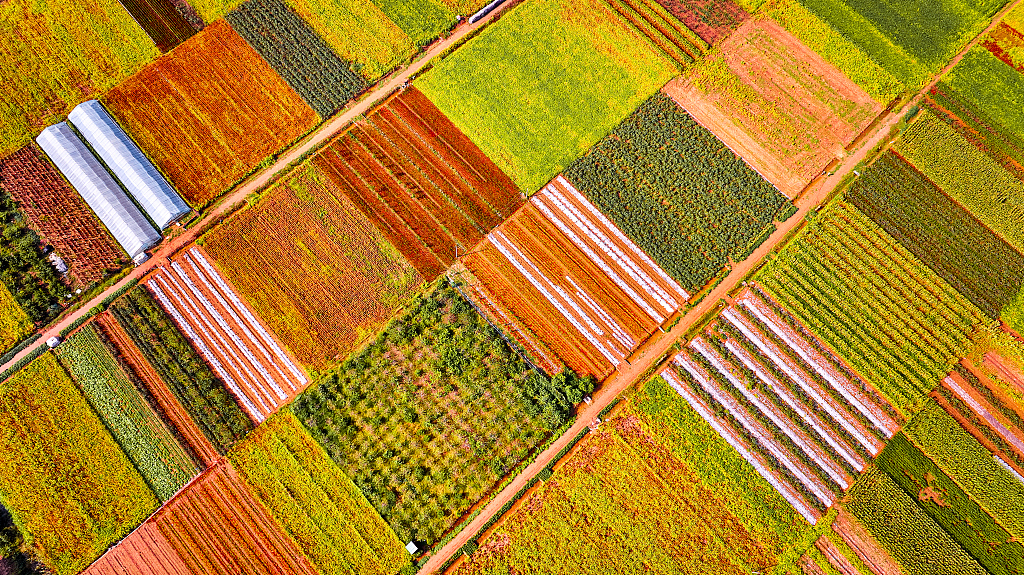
x,y
257,181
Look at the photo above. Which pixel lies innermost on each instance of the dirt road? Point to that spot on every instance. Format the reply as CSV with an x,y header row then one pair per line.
x,y
257,181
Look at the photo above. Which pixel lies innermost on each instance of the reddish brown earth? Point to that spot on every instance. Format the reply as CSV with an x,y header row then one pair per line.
x,y
1004,369
839,561
864,545
712,20
1001,41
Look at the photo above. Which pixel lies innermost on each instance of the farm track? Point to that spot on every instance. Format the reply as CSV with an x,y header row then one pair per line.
x,y
654,350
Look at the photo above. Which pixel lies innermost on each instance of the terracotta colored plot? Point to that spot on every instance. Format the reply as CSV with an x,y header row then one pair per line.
x,y
1005,42
777,104
209,111
212,527
59,214
710,19
423,183
864,545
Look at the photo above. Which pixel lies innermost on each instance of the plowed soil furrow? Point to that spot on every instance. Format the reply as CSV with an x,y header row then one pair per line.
x,y
835,557
864,545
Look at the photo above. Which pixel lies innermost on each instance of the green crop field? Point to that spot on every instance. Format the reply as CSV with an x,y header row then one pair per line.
x,y
433,413
913,538
992,86
541,85
332,522
894,320
112,389
971,177
14,322
422,20
71,489
57,54
941,233
678,192
970,465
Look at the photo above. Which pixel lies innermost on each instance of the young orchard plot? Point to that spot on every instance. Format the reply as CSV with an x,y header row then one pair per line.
x,y
43,78
678,192
786,403
785,110
209,112
433,413
60,215
315,503
313,267
243,354
896,322
325,81
939,232
113,391
63,477
181,370
542,84
213,527
572,278
427,187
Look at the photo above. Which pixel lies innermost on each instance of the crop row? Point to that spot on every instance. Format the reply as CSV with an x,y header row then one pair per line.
x,y
982,430
1005,148
324,80
182,370
677,191
161,20
113,391
666,34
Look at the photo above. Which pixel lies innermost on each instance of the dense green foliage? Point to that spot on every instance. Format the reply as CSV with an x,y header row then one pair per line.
x,y
24,270
677,191
201,393
897,323
913,538
332,522
293,50
941,233
943,500
113,390
70,488
970,176
975,126
433,413
970,465
992,86
543,83
422,20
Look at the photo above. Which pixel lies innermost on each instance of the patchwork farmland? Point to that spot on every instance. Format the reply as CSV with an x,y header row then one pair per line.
x,y
230,338
571,277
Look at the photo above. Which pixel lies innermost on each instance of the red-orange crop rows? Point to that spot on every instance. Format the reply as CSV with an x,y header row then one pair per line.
x,y
212,527
1005,43
423,183
59,215
209,111
567,274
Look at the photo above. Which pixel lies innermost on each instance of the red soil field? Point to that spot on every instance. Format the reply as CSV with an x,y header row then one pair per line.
x,y
421,181
563,270
241,351
59,215
313,266
710,19
776,103
209,112
864,545
1002,41
167,406
212,527
839,561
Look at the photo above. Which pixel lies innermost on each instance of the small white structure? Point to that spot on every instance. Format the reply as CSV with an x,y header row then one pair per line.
x,y
98,188
58,263
53,342
411,548
125,159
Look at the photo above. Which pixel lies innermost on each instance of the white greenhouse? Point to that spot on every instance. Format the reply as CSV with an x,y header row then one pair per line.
x,y
125,159
98,188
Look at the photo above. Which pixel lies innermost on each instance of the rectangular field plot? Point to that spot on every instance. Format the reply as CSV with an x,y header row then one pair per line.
x,y
712,20
630,500
545,82
785,110
430,191
896,322
163,21
316,504
43,77
208,112
14,323
572,278
213,527
431,415
62,476
313,267
677,191
226,333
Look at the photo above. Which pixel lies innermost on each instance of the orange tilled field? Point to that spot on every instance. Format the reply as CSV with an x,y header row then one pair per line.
x,y
212,527
421,181
777,104
563,274
209,112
